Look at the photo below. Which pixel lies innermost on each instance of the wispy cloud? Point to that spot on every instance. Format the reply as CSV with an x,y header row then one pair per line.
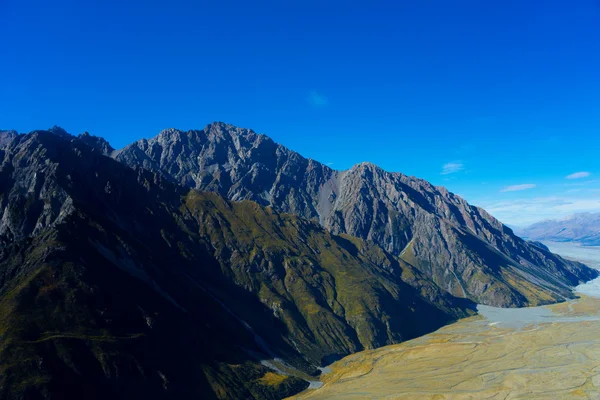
x,y
516,188
586,183
329,163
524,208
578,175
452,167
523,212
317,99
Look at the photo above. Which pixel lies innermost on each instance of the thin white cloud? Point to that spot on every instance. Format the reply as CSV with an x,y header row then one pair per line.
x,y
522,212
329,163
452,167
318,100
516,188
578,175
585,183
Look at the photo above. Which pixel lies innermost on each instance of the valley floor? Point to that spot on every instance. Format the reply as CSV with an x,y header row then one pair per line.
x,y
550,352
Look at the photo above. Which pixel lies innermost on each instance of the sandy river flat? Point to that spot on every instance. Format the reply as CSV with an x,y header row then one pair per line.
x,y
548,352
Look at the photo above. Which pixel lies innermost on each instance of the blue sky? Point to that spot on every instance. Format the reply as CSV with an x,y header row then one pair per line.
x,y
478,96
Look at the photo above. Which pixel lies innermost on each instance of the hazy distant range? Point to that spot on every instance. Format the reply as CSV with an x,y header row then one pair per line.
x,y
582,228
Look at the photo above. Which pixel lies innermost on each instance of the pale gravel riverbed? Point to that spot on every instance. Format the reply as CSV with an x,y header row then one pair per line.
x,y
550,352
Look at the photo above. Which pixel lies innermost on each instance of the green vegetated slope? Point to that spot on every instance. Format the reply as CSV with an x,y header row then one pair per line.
x,y
117,283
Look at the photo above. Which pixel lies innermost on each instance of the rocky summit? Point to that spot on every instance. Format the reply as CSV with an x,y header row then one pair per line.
x,y
462,248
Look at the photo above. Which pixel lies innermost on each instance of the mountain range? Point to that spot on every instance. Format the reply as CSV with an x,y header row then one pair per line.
x,y
218,264
583,228
462,248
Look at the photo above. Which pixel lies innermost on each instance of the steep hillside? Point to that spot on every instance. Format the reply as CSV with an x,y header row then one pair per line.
x,y
116,283
461,247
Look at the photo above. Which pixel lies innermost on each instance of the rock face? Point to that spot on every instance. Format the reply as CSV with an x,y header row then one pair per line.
x,y
118,283
98,143
461,247
6,137
583,228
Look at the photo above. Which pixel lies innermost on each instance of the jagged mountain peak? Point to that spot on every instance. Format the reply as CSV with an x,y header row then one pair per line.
x,y
6,137
461,247
214,130
59,131
96,142
366,165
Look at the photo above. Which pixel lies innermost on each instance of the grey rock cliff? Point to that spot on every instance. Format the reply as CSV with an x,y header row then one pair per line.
x,y
461,247
6,137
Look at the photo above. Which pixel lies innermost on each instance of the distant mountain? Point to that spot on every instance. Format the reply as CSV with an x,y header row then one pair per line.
x,y
117,283
460,247
583,228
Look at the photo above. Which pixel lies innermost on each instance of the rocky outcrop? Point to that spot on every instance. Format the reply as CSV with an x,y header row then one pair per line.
x,y
461,247
6,137
97,143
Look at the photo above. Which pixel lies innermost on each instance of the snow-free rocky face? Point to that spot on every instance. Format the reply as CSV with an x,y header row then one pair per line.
x,y
462,248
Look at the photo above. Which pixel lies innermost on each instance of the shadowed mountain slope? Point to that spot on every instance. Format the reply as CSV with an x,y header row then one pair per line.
x,y
115,282
460,247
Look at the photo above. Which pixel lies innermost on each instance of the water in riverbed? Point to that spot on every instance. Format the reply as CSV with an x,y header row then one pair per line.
x,y
520,317
589,255
546,352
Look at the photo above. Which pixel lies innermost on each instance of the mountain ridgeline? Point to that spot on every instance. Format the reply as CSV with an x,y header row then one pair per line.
x,y
460,247
219,264
115,282
582,228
